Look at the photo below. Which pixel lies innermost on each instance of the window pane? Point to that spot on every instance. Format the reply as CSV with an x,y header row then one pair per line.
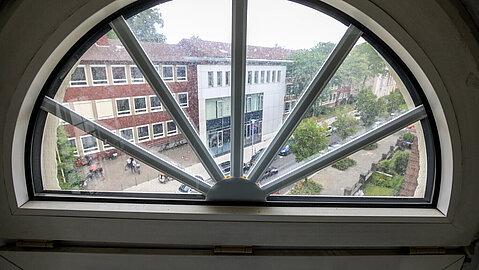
x,y
98,74
104,108
78,77
136,75
155,104
168,73
119,74
123,106
181,73
140,104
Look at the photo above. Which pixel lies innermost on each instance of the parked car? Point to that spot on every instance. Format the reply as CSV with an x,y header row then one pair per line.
x,y
225,166
186,189
270,172
253,159
284,151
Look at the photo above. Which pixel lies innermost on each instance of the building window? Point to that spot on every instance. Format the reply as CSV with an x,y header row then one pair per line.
x,y
84,108
158,130
78,77
261,102
273,76
250,77
219,109
73,144
106,145
279,75
167,73
210,79
143,133
123,106
248,103
136,75
155,104
140,105
89,144
227,78
98,75
183,99
219,78
181,73
119,74
171,128
104,109
287,107
127,134
262,76
268,76
256,76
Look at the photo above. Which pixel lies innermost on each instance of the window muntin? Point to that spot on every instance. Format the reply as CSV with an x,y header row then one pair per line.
x,y
123,106
155,104
136,75
78,77
181,73
167,73
143,133
118,73
98,74
140,105
257,126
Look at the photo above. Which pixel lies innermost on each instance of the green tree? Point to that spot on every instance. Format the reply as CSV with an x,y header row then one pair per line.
x,y
394,102
368,106
400,161
345,124
309,138
66,153
144,26
306,187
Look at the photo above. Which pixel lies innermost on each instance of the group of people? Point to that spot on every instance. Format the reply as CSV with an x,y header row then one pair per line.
x,y
131,164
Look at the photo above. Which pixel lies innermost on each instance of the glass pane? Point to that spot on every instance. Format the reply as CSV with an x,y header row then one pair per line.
x,y
393,166
293,60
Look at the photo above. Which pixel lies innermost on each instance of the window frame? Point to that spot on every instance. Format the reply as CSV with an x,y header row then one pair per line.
x,y
132,140
168,79
112,109
140,111
129,107
85,102
163,133
167,129
106,146
106,81
86,77
97,150
211,79
76,152
143,139
183,105
136,80
181,79
219,78
115,81
156,108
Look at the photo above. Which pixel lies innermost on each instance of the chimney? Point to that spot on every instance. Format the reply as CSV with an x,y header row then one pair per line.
x,y
102,42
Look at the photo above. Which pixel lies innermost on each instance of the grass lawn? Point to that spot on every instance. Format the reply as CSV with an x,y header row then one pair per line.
x,y
373,190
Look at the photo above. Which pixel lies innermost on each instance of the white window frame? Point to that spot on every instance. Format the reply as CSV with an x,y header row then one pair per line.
x,y
168,132
85,102
140,111
136,80
168,79
112,109
163,133
116,81
129,106
155,109
132,132
249,77
256,77
143,139
183,105
89,152
181,79
268,76
76,152
227,78
273,76
219,78
95,82
262,77
278,77
108,146
211,83
86,77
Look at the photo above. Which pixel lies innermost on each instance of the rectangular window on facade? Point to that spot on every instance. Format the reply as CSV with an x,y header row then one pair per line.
x,y
219,78
140,105
106,145
273,76
119,74
260,106
171,128
248,103
158,130
279,76
268,76
98,75
155,104
104,108
181,73
136,75
84,108
210,109
183,99
78,77
262,76
143,133
287,107
256,77
210,79
73,143
89,144
127,134
219,109
123,106
250,77
167,73
227,78
247,130
219,136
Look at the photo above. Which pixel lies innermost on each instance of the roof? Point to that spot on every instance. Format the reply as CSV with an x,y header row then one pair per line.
x,y
185,50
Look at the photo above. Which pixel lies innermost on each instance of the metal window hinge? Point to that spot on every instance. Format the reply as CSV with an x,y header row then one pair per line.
x,y
35,243
233,250
427,250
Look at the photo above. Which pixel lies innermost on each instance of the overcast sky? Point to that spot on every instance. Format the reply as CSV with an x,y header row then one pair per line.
x,y
270,23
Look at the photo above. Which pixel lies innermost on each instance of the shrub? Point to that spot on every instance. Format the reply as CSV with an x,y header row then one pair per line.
x,y
408,137
384,166
306,187
394,182
344,163
399,162
371,146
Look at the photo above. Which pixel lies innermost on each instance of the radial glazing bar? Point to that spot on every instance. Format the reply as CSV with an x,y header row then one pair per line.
x,y
329,68
141,59
78,121
347,149
238,68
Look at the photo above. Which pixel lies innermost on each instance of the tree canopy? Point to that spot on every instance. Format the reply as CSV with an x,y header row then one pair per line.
x,y
144,26
309,138
369,106
345,124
